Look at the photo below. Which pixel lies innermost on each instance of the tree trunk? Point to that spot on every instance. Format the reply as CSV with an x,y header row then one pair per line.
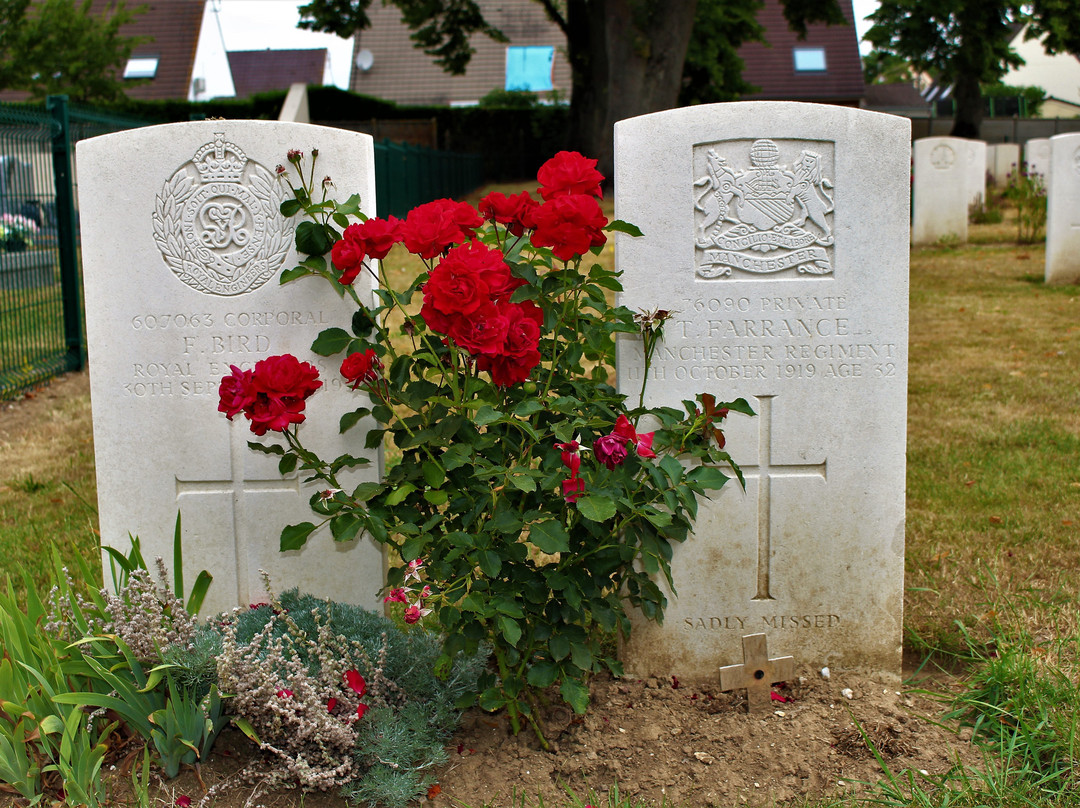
x,y
968,103
627,59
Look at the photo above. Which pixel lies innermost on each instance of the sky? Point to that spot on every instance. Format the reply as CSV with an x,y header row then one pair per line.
x,y
258,24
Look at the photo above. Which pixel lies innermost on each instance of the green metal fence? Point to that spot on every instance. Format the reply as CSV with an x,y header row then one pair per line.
x,y
407,176
41,333
41,322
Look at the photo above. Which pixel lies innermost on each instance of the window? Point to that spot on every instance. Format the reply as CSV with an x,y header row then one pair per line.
x,y
529,68
141,67
809,60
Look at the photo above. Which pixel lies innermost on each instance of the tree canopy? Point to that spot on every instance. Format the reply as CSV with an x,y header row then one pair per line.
x,y
61,46
627,56
967,43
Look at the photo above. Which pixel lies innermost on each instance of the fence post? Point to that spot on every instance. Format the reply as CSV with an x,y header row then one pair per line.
x,y
65,229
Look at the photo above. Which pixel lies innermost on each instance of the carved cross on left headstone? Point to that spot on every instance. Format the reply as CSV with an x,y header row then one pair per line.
x,y
757,673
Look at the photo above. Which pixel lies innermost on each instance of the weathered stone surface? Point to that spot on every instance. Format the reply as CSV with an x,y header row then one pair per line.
x,y
976,171
183,245
1037,156
940,194
778,233
1002,159
1063,210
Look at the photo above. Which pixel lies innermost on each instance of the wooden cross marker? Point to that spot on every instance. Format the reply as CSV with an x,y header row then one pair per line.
x,y
757,673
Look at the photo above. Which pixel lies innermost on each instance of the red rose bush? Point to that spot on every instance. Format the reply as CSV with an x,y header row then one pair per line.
x,y
537,502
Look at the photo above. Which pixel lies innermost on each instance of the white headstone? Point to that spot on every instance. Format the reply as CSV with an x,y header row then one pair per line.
x,y
1037,156
1002,159
778,233
1063,210
940,193
976,171
183,245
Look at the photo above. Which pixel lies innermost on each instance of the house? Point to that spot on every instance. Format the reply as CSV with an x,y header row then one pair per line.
x,y
824,67
1058,75
388,66
263,70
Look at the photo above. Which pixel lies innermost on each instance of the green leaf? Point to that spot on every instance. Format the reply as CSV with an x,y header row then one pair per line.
x,y
345,526
293,274
490,562
509,628
287,464
543,674
437,497
549,537
366,491
433,474
397,496
198,591
708,477
521,480
575,694
290,207
331,341
528,407
311,238
492,700
581,656
596,508
559,646
265,448
486,415
619,226
456,457
362,322
413,547
293,537
351,419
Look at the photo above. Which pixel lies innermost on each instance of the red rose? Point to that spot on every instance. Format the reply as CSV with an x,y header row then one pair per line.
x,y
286,376
569,173
488,263
569,225
518,355
379,235
348,255
573,488
483,331
431,228
513,210
361,368
235,392
610,450
456,286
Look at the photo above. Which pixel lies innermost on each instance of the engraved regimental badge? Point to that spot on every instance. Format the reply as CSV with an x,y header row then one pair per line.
x,y
755,213
217,221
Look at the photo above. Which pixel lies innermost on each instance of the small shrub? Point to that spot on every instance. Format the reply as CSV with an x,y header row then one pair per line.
x,y
1028,192
986,211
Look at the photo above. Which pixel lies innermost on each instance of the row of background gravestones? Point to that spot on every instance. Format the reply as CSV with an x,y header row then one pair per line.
x,y
778,232
950,174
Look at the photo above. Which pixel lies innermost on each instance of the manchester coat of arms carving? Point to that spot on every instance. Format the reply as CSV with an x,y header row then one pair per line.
x,y
217,221
760,216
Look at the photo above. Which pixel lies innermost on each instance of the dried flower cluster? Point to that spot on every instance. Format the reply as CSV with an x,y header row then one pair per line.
x,y
147,616
304,714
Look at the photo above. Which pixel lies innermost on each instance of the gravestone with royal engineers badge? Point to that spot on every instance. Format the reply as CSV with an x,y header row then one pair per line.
x,y
1063,210
940,190
777,235
183,245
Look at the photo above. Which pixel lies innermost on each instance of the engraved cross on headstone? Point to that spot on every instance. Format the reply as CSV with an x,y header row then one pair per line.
x,y
765,472
238,486
757,673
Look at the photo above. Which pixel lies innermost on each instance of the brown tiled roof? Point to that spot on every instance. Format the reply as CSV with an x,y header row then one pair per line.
x,y
263,70
772,68
174,27
402,73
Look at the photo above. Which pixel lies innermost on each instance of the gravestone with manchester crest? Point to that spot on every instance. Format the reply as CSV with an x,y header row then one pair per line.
x,y
1063,210
183,244
940,190
776,235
